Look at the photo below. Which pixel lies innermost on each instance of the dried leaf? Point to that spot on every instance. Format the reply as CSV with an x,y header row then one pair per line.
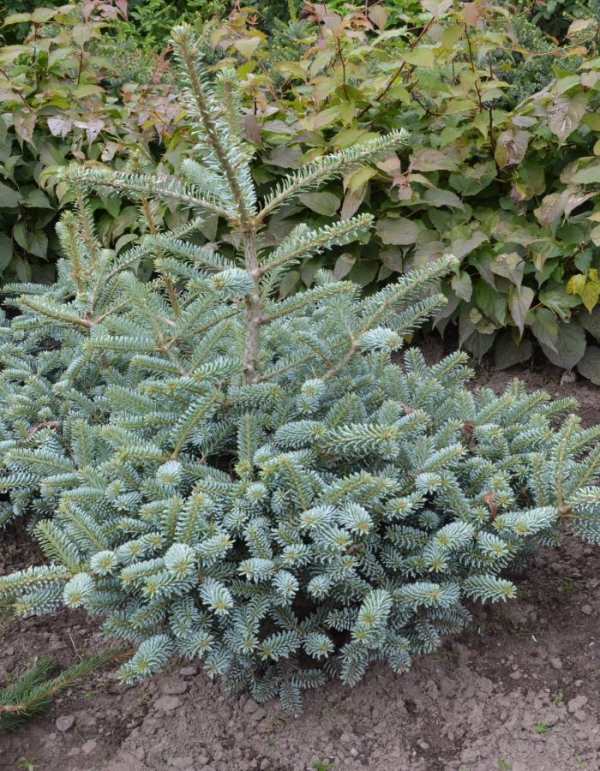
x,y
565,113
511,147
24,123
468,431
252,130
352,202
470,14
490,501
379,16
60,125
437,7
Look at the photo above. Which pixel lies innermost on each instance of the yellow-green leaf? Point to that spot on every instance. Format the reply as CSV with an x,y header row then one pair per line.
x,y
247,46
590,294
576,284
420,57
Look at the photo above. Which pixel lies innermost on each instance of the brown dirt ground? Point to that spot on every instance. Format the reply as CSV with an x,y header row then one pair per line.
x,y
519,690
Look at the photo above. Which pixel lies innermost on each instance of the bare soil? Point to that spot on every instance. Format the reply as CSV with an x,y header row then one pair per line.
x,y
518,690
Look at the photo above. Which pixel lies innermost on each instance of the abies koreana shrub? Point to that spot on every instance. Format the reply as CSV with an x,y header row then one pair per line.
x,y
252,481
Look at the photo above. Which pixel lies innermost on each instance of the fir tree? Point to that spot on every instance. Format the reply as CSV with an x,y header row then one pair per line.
x,y
254,482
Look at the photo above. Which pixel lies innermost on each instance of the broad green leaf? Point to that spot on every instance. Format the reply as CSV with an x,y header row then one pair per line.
x,y
592,120
289,283
595,235
591,322
125,239
37,199
472,180
479,343
491,302
322,203
519,302
42,15
451,35
427,251
23,269
509,266
436,197
6,251
428,159
481,262
583,261
589,366
569,347
38,243
17,18
545,327
343,266
247,46
532,175
364,272
350,137
541,251
508,352
399,231
564,84
557,299
462,246
20,234
87,89
462,285
9,198
357,179
285,157
588,176
420,57
392,258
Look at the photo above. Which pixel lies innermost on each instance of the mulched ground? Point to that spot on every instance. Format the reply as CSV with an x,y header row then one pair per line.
x,y
519,690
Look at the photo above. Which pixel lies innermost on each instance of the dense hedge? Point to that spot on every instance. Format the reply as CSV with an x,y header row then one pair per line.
x,y
503,178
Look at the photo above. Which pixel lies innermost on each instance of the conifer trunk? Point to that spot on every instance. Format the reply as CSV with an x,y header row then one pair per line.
x,y
253,311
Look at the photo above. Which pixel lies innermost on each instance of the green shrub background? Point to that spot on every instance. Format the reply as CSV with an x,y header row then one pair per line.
x,y
501,169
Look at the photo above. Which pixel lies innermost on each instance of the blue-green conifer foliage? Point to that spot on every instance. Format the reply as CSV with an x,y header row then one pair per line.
x,y
250,481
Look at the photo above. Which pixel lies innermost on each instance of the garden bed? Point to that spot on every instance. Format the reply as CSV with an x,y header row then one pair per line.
x,y
519,690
